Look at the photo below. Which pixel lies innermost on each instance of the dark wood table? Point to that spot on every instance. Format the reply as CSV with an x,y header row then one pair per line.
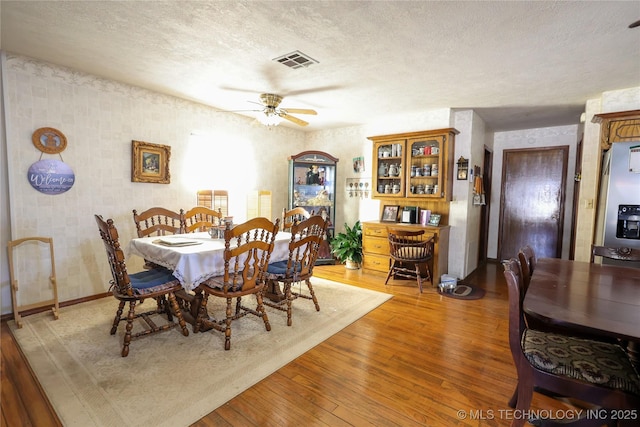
x,y
591,298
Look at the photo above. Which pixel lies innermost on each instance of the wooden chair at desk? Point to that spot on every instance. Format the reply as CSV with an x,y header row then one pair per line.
x,y
306,237
410,252
290,217
157,283
245,269
621,254
561,365
200,218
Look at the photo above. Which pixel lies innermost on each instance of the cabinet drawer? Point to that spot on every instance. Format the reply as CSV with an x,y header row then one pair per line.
x,y
376,262
375,245
375,231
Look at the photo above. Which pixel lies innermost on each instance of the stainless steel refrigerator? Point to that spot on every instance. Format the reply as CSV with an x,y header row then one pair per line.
x,y
619,205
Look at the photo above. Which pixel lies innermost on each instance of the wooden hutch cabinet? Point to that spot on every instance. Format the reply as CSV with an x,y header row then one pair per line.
x,y
414,165
413,169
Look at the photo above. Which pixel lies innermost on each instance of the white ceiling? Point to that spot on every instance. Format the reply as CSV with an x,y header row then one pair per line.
x,y
518,64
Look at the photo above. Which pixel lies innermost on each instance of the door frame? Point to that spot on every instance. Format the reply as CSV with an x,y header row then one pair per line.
x,y
485,210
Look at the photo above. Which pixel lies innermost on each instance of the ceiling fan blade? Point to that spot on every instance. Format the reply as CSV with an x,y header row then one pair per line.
x,y
238,111
289,93
300,111
293,119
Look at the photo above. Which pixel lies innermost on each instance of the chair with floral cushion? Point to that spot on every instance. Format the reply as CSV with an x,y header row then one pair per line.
x,y
248,247
157,283
528,261
620,254
595,372
306,237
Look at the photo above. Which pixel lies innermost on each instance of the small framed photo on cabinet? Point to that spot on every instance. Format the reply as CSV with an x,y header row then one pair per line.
x,y
390,213
434,220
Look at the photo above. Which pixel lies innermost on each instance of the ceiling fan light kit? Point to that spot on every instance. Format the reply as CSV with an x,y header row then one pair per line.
x,y
272,115
269,119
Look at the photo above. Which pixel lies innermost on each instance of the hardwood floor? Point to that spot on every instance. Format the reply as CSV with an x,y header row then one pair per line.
x,y
417,360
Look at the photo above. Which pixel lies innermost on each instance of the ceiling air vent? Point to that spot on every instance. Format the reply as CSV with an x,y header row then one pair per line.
x,y
296,59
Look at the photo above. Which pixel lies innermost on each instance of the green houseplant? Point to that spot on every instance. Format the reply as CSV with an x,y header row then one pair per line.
x,y
347,246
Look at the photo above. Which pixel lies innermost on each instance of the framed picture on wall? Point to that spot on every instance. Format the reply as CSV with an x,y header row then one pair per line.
x,y
150,163
462,174
390,213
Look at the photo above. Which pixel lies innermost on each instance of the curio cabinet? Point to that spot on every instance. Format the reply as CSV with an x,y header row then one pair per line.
x,y
312,186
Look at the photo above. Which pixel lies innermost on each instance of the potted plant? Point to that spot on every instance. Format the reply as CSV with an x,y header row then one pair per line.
x,y
347,246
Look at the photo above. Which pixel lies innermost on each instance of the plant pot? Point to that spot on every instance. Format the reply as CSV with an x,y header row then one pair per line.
x,y
352,265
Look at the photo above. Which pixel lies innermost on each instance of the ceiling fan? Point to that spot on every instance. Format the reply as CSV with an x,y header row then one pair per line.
x,y
272,114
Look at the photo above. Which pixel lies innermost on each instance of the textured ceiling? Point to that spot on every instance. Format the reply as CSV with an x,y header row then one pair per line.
x,y
518,64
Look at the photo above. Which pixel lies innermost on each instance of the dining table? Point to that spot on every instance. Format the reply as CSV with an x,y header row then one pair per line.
x,y
592,298
194,258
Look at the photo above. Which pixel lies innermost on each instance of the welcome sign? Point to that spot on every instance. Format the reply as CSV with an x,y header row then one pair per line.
x,y
51,176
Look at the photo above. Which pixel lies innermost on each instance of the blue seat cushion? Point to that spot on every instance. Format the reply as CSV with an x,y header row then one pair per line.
x,y
279,269
154,280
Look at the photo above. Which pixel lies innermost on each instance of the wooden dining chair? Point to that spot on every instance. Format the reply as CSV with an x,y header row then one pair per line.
x,y
248,247
157,283
157,221
200,218
306,237
561,365
620,254
528,261
410,251
290,217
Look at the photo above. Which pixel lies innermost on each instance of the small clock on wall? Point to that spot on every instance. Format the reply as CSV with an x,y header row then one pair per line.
x,y
49,140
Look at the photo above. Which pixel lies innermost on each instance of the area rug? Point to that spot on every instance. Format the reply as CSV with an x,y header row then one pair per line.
x,y
169,379
464,291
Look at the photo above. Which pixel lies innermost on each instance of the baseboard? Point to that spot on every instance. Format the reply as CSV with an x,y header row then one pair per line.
x,y
9,316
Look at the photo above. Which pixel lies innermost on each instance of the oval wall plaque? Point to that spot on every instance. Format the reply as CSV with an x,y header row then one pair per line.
x,y
49,140
51,176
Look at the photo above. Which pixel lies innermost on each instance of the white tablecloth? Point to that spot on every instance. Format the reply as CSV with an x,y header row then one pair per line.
x,y
194,264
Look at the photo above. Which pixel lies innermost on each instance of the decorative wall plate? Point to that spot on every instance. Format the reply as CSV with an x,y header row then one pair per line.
x,y
49,140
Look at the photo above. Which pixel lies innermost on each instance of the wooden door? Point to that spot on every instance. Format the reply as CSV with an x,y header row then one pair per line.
x,y
532,201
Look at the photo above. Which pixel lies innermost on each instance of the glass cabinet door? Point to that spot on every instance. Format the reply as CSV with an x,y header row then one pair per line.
x,y
312,186
425,166
388,169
